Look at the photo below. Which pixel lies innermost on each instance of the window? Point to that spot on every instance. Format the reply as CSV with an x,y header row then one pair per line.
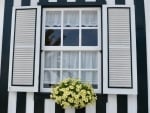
x,y
71,46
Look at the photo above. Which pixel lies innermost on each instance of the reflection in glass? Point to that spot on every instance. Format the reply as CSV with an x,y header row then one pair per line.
x,y
71,37
89,37
52,59
53,37
70,74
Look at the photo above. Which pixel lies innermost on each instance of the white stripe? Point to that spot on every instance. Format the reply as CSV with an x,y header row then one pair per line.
x,y
91,108
49,106
17,2
111,105
52,0
110,2
12,100
71,0
69,110
90,0
34,2
30,103
132,104
147,17
129,2
2,4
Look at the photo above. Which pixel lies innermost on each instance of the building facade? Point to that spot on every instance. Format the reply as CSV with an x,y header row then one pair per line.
x,y
104,42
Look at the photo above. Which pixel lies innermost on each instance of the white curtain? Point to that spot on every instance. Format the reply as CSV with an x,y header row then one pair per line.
x,y
71,18
52,59
89,60
89,18
53,18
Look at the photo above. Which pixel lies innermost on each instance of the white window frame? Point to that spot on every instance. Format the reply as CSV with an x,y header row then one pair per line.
x,y
72,48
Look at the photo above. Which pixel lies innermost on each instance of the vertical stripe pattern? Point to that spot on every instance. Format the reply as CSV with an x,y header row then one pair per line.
x,y
122,104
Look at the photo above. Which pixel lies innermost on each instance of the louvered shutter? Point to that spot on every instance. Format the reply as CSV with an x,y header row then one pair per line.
x,y
119,50
25,49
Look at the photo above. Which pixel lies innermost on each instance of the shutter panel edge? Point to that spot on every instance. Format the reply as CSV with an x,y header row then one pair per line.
x,y
34,87
106,88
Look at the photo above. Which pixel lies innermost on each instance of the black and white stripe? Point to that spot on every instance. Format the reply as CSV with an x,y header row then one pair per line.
x,y
105,103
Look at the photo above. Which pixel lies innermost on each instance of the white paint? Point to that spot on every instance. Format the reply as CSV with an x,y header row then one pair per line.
x,y
111,105
17,3
52,0
107,90
12,101
2,5
147,18
129,2
110,2
90,0
29,102
49,106
34,2
132,104
91,108
69,110
71,0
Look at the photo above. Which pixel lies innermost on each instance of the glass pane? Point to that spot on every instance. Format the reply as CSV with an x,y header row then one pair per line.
x,y
53,18
53,37
50,78
52,59
70,74
89,37
71,37
70,60
90,77
89,60
71,18
89,18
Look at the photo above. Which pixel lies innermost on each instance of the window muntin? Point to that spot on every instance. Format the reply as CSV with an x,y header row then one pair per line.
x,y
71,44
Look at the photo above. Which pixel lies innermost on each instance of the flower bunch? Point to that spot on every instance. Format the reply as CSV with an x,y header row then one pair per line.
x,y
73,93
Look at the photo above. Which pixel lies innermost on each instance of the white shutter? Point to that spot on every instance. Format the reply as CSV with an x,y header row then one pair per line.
x,y
119,50
25,49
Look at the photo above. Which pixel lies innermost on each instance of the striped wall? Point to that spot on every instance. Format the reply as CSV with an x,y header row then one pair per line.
x,y
20,102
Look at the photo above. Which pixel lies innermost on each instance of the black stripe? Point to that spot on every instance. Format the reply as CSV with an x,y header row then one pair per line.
x,y
64,3
39,102
142,99
59,109
122,104
21,103
120,2
5,56
101,103
25,2
80,110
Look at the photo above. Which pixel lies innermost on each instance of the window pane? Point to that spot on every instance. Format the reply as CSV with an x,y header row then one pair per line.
x,y
90,77
53,18
89,37
89,18
51,77
71,18
52,59
70,74
89,60
53,37
71,37
70,60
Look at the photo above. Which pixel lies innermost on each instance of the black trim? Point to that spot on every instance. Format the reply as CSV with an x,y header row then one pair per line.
x,y
25,2
80,110
120,2
101,103
130,46
14,47
5,56
21,103
59,109
102,50
122,104
64,3
142,98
